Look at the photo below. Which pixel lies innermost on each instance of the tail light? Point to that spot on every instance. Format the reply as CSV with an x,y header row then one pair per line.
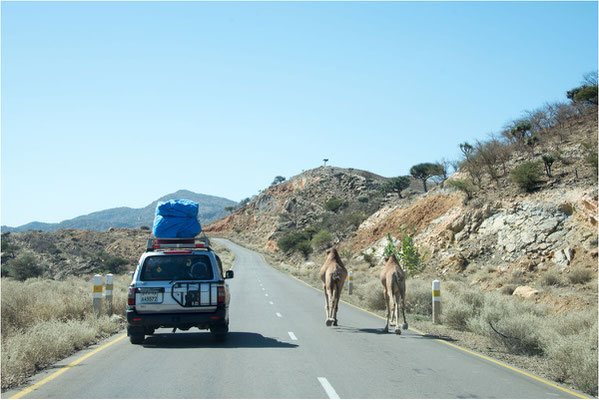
x,y
131,297
221,295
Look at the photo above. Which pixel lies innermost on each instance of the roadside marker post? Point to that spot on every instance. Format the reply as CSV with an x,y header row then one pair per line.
x,y
351,281
436,302
108,292
97,293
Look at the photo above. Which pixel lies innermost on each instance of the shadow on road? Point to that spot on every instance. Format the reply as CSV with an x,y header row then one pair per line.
x,y
183,340
380,331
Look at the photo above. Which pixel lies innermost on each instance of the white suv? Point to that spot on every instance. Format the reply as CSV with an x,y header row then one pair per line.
x,y
178,283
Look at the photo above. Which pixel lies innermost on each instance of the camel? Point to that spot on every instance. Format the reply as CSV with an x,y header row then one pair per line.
x,y
332,275
393,279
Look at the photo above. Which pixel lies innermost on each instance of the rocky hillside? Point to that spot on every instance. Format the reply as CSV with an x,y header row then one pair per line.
x,y
210,208
336,199
551,227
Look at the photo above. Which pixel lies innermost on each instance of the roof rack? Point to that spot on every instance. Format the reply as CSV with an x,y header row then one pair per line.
x,y
178,243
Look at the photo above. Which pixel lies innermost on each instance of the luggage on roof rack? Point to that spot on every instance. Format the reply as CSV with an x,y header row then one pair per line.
x,y
178,243
176,219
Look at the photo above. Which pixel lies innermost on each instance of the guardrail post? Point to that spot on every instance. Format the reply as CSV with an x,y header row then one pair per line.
x,y
436,302
351,281
97,294
108,292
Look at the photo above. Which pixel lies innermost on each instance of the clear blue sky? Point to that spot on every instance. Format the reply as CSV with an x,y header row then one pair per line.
x,y
108,104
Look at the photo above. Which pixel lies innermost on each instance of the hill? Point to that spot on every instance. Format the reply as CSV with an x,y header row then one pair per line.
x,y
210,208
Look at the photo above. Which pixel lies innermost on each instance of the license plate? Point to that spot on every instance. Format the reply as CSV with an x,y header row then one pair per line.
x,y
150,297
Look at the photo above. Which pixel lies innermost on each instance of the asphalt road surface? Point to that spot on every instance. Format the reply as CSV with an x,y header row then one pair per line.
x,y
280,347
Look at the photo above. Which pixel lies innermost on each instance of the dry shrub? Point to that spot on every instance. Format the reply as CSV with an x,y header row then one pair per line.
x,y
419,297
370,294
580,275
510,322
551,278
46,342
460,304
571,342
44,321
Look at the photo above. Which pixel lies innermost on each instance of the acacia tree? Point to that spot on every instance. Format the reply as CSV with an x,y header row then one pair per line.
x,y
424,171
396,185
278,179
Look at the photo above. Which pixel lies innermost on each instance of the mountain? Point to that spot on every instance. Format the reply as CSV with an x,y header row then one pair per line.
x,y
210,208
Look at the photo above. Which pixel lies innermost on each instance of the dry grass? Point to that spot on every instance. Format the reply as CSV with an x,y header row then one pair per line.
x,y
44,321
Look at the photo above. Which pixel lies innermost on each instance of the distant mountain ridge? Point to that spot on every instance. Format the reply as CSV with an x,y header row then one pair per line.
x,y
210,208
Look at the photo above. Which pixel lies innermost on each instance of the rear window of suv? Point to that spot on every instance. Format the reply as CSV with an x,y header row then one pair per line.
x,y
169,267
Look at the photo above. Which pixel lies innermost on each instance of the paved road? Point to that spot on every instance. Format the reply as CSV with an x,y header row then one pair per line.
x,y
279,347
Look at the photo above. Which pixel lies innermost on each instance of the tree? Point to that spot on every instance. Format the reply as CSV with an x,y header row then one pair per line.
x,y
230,209
583,94
548,160
396,185
466,149
463,185
243,203
278,179
521,130
322,239
24,266
424,171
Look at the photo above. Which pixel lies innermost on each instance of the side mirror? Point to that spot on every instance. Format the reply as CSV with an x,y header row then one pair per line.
x,y
229,274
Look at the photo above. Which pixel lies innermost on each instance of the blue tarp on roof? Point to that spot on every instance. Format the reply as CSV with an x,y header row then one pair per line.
x,y
176,219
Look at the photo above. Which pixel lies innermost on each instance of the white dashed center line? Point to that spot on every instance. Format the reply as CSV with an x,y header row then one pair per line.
x,y
292,336
279,315
271,302
328,388
266,294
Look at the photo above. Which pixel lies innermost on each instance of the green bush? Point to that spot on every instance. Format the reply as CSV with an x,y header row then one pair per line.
x,y
322,239
304,247
24,266
356,219
334,204
463,185
114,264
289,241
526,175
363,199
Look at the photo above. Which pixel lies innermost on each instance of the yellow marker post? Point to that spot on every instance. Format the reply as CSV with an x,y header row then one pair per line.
x,y
351,281
108,292
97,294
436,302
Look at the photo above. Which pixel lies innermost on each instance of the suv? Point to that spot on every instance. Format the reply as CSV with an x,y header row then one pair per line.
x,y
178,283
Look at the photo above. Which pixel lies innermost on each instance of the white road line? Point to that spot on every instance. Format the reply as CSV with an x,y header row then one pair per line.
x,y
263,289
271,302
279,315
292,336
266,294
328,388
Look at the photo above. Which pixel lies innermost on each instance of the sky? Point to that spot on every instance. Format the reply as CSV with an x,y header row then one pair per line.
x,y
110,104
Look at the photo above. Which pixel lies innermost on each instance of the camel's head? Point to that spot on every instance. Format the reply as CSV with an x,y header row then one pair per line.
x,y
391,261
332,254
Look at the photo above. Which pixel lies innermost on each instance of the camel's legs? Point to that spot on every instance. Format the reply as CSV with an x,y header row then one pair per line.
x,y
386,295
396,312
403,308
335,305
326,303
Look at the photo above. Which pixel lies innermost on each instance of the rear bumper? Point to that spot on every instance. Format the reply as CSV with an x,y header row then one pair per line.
x,y
201,320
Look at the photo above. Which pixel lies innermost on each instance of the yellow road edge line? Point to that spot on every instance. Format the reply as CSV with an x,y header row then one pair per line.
x,y
64,369
463,349
513,369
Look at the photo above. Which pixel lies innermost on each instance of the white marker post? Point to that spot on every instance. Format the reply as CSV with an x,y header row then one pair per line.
x,y
108,292
97,294
436,302
351,281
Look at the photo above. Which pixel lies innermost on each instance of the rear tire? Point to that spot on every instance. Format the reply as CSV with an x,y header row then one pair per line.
x,y
136,339
219,332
